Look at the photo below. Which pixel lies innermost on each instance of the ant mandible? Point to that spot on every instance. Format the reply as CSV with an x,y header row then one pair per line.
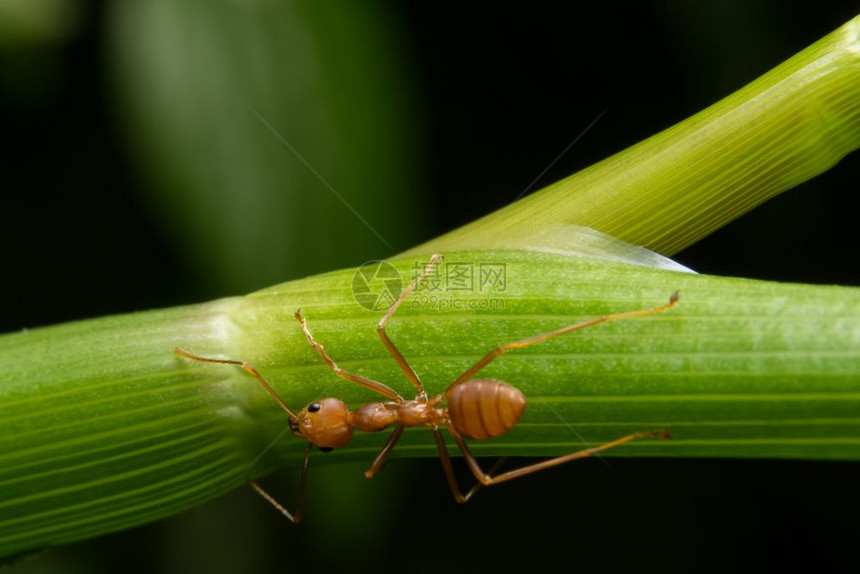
x,y
476,408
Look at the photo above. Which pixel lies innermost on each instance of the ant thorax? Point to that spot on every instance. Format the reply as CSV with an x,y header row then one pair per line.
x,y
372,417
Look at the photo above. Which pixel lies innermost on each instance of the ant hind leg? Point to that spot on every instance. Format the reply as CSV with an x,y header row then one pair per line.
x,y
488,480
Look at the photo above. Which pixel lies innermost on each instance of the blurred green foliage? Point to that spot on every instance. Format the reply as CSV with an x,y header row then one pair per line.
x,y
26,23
240,203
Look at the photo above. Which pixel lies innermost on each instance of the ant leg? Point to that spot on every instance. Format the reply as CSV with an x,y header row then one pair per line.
x,y
363,381
248,368
380,459
488,480
449,470
500,350
380,328
297,516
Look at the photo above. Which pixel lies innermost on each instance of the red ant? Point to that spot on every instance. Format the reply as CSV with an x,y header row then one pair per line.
x,y
476,408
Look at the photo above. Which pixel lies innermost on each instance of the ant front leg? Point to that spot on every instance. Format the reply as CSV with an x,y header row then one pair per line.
x,y
297,515
248,369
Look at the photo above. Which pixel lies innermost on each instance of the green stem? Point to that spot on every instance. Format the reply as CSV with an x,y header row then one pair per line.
x,y
103,427
680,185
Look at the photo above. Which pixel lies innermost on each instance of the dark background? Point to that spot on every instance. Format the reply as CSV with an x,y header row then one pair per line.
x,y
498,94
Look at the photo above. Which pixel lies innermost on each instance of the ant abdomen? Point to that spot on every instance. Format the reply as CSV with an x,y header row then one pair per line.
x,y
484,408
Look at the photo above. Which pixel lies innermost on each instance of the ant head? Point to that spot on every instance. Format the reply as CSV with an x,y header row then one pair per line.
x,y
325,423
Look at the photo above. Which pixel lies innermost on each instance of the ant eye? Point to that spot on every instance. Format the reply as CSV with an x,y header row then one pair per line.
x,y
314,407
326,449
